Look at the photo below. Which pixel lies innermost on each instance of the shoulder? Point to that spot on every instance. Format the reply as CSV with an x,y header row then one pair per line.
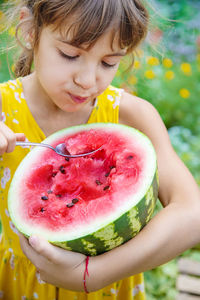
x,y
111,93
142,115
136,112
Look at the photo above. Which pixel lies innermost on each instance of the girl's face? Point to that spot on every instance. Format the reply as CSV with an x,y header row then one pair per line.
x,y
72,76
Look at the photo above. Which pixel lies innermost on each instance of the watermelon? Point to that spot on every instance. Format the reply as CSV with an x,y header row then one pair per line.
x,y
89,204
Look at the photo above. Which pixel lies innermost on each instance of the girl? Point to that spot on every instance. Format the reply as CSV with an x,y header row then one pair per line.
x,y
76,47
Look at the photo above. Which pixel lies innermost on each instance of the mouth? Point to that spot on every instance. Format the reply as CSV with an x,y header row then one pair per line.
x,y
78,99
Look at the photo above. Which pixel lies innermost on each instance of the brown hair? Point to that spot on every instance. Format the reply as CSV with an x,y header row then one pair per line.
x,y
129,18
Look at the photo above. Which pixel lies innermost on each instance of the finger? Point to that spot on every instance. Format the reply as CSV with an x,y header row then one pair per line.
x,y
47,250
3,144
20,136
53,253
24,243
9,136
29,252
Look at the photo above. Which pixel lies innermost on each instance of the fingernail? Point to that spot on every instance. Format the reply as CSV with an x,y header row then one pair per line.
x,y
33,240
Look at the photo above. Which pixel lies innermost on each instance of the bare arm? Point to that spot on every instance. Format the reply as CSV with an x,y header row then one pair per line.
x,y
170,232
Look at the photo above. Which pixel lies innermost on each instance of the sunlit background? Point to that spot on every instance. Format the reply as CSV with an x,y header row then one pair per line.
x,y
166,72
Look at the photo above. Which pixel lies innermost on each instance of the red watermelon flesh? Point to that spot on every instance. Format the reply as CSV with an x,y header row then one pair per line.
x,y
89,204
91,181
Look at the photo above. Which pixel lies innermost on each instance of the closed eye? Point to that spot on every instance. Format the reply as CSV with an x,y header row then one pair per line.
x,y
106,65
69,57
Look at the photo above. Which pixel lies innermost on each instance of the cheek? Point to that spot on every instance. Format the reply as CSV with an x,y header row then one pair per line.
x,y
107,76
48,64
52,71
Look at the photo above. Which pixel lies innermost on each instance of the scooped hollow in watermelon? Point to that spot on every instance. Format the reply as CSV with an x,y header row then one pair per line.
x,y
89,204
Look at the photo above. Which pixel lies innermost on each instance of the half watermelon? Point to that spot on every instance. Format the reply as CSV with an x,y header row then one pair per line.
x,y
89,204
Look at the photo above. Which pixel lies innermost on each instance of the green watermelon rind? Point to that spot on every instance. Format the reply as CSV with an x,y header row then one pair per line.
x,y
108,234
119,231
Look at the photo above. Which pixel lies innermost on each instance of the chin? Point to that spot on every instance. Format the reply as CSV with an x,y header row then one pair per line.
x,y
72,108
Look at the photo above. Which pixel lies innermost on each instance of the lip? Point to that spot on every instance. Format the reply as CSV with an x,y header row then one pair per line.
x,y
78,99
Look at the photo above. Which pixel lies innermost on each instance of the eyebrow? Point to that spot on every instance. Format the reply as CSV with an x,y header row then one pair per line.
x,y
79,47
116,54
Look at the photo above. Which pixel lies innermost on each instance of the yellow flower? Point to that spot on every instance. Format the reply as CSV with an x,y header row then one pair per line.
x,y
169,75
137,64
132,80
152,61
149,74
167,63
11,31
186,68
184,93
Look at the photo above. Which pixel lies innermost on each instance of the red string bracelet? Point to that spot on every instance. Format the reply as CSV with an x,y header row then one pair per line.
x,y
86,273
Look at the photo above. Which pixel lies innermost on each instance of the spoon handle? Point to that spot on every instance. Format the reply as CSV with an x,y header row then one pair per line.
x,y
33,144
18,143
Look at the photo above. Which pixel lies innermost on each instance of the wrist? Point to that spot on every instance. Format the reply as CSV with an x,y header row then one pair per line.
x,y
86,274
95,280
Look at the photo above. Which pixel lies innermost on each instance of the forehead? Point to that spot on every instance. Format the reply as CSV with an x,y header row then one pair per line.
x,y
86,33
108,40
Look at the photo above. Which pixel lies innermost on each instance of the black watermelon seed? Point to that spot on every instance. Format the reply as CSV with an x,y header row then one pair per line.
x,y
75,200
49,192
54,174
67,158
130,157
107,174
44,198
59,195
106,187
42,209
70,205
98,182
112,167
62,169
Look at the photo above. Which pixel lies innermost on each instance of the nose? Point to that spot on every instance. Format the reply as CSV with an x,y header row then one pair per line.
x,y
86,77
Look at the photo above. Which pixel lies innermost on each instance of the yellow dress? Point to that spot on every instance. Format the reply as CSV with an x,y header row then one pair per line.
x,y
19,279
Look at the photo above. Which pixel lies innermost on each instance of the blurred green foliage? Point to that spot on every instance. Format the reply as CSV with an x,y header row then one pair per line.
x,y
187,145
5,57
166,72
160,283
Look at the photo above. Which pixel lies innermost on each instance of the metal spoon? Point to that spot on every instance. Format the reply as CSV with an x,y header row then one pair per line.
x,y
59,149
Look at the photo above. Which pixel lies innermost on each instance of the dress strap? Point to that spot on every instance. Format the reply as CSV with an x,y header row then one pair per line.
x,y
106,107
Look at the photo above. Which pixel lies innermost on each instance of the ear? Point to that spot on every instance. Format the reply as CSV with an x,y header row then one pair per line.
x,y
25,13
26,25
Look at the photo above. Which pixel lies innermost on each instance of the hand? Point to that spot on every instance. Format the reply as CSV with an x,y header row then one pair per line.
x,y
8,138
56,266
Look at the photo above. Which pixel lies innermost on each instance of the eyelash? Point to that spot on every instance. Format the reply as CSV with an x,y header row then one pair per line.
x,y
105,65
68,56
